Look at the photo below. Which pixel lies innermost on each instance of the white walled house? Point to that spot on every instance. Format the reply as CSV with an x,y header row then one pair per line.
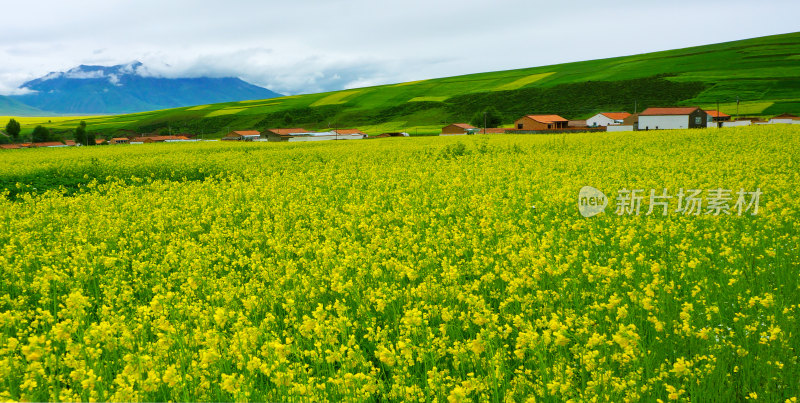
x,y
672,118
786,118
322,136
607,118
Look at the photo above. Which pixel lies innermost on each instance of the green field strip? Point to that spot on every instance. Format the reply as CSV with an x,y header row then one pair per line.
x,y
428,99
516,84
336,98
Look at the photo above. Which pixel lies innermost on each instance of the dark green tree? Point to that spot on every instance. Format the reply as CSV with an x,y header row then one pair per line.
x,y
288,119
13,128
91,139
491,115
80,133
40,134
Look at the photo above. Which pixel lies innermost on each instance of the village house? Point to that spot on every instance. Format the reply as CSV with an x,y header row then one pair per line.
x,y
52,144
457,129
672,118
392,134
718,116
540,122
320,136
157,139
350,132
276,133
242,135
786,118
607,118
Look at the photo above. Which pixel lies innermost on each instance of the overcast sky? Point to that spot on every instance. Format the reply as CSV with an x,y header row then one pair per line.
x,y
305,46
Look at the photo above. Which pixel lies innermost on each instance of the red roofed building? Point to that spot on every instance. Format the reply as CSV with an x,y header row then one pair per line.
x,y
9,146
718,116
157,139
457,128
349,132
242,135
673,118
50,144
785,118
607,118
283,132
540,122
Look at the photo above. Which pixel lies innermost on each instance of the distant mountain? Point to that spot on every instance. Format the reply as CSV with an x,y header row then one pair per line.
x,y
12,107
129,88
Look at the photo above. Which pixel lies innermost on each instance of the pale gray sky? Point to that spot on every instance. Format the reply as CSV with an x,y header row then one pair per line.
x,y
305,46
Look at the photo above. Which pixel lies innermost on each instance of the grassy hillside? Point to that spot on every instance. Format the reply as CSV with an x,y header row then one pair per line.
x,y
13,106
761,72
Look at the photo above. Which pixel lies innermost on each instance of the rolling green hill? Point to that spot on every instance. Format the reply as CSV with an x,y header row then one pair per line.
x,y
13,106
764,73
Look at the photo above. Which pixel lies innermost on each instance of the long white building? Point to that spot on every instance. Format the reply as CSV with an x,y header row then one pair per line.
x,y
607,118
672,118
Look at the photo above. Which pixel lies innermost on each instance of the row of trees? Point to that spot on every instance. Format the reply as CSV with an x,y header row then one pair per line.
x,y
490,117
42,134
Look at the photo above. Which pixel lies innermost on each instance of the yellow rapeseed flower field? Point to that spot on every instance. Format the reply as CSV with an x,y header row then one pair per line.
x,y
430,269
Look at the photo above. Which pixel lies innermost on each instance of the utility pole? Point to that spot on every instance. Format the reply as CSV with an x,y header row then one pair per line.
x,y
635,106
737,107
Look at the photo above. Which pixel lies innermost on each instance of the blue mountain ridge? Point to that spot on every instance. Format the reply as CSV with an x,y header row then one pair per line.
x,y
124,89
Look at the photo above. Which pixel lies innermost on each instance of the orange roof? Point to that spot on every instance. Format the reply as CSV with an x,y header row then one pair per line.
x,y
717,114
247,132
283,132
463,125
668,111
547,118
349,131
9,146
161,138
616,115
50,144
120,139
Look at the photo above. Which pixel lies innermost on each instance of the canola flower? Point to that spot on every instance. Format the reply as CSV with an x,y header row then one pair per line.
x,y
399,269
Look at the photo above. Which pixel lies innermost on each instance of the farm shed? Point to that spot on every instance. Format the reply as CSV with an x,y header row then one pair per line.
x,y
607,118
540,122
457,128
718,116
242,135
785,118
276,133
392,134
672,118
350,132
